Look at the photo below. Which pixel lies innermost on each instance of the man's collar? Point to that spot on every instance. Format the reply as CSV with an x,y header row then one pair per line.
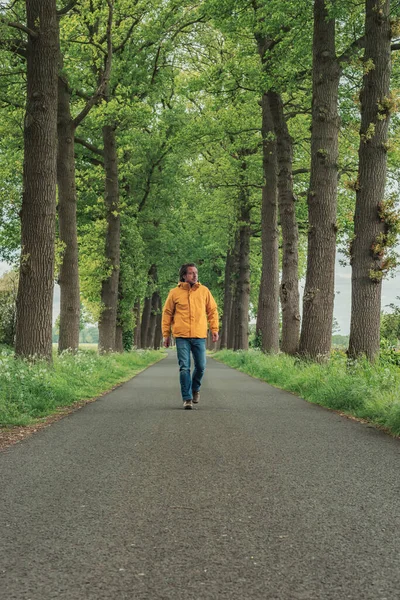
x,y
186,286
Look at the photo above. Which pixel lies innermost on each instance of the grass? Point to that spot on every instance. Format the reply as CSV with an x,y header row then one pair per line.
x,y
366,391
30,391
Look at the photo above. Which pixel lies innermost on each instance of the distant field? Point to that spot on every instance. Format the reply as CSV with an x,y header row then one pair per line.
x,y
82,346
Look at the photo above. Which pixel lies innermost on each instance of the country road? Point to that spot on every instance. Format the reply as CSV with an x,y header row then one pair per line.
x,y
254,495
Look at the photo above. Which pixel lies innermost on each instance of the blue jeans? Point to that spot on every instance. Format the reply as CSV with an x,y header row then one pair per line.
x,y
197,346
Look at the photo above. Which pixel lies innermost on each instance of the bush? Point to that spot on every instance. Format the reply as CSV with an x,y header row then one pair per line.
x,y
8,298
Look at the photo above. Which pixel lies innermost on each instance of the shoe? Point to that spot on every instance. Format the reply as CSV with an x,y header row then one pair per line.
x,y
187,404
196,397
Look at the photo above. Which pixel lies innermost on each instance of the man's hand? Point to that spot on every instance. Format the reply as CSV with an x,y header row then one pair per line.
x,y
215,336
167,342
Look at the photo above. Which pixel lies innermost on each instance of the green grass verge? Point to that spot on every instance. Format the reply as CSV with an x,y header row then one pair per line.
x,y
366,391
30,391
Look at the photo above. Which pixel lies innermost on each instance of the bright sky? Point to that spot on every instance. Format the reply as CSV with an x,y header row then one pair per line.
x,y
391,289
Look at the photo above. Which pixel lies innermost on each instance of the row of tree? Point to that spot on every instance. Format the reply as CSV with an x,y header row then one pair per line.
x,y
167,131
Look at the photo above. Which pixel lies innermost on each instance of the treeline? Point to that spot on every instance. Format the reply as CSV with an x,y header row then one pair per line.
x,y
248,137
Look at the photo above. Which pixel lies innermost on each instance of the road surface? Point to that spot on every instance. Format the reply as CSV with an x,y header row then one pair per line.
x,y
254,495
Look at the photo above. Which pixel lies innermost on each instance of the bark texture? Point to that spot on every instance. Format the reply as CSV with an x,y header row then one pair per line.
x,y
316,331
35,289
158,334
227,308
68,278
367,251
109,288
145,322
119,339
234,278
289,288
242,299
146,315
155,308
136,331
267,326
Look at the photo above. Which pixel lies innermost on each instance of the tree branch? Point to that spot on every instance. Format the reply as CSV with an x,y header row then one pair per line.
x,y
300,171
13,104
30,32
67,8
155,70
148,181
349,52
200,19
17,47
89,146
106,75
128,35
94,161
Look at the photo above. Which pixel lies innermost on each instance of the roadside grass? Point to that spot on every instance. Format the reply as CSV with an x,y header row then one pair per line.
x,y
366,391
30,391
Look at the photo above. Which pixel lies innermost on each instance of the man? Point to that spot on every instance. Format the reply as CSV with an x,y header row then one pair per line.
x,y
187,309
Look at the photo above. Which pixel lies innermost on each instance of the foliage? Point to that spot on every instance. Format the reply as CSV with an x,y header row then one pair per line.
x,y
390,325
29,391
368,391
8,298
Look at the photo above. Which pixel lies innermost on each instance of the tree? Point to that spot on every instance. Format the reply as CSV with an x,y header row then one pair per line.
x,y
35,290
289,287
268,304
372,222
316,331
68,277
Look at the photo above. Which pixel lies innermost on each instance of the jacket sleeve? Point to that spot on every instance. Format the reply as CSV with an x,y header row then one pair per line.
x,y
212,313
168,315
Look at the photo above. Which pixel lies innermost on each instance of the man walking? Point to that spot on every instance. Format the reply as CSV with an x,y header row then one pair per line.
x,y
186,310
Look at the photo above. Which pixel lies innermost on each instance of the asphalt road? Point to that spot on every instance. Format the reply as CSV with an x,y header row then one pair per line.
x,y
254,495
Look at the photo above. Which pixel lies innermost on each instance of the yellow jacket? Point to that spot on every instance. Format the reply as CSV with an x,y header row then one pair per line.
x,y
187,309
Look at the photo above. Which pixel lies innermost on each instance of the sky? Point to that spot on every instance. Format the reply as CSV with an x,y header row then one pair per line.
x,y
390,289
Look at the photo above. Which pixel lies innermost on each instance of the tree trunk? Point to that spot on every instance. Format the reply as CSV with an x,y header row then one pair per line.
x,y
234,279
226,314
243,284
109,288
68,278
289,288
146,314
155,303
36,282
316,331
268,304
119,329
136,334
158,334
119,340
145,322
370,229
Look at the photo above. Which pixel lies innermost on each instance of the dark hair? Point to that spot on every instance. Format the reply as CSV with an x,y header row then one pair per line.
x,y
183,270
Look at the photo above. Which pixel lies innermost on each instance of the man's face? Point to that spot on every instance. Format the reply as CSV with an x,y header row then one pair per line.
x,y
191,275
